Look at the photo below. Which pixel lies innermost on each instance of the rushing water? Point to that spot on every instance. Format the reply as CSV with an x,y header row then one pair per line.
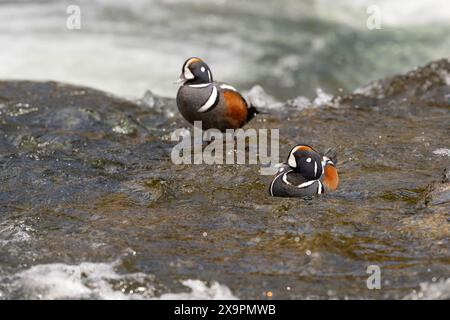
x,y
91,206
289,47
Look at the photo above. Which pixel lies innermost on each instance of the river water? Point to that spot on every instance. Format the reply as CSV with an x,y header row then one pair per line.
x,y
91,206
289,47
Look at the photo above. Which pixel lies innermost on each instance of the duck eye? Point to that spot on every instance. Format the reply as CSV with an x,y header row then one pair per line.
x,y
202,69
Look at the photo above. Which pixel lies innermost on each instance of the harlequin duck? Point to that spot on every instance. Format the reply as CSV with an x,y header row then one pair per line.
x,y
216,104
306,173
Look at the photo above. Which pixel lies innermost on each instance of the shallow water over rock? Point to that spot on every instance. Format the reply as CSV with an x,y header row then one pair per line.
x,y
86,177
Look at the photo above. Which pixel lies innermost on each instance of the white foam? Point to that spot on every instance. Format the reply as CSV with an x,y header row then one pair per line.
x,y
124,56
442,152
260,99
89,280
322,97
432,291
126,47
13,233
200,291
398,13
300,103
445,77
83,281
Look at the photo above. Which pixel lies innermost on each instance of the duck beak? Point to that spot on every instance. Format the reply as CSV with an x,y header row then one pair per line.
x,y
182,80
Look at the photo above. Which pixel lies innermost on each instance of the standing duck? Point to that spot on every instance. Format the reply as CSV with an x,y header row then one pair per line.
x,y
216,104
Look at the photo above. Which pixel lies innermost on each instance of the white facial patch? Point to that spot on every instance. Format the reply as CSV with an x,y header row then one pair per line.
x,y
291,161
308,160
187,72
202,69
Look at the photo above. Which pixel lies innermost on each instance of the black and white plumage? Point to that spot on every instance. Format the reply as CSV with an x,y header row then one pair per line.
x,y
216,104
306,173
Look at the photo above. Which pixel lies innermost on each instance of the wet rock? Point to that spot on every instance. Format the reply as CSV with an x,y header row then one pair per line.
x,y
90,175
51,130
424,81
439,193
160,104
411,94
446,175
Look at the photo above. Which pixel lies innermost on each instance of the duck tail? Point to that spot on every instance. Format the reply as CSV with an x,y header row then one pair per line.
x,y
332,154
251,112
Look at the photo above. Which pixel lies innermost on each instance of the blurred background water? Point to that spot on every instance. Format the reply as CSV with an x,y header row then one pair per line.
x,y
290,47
92,207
